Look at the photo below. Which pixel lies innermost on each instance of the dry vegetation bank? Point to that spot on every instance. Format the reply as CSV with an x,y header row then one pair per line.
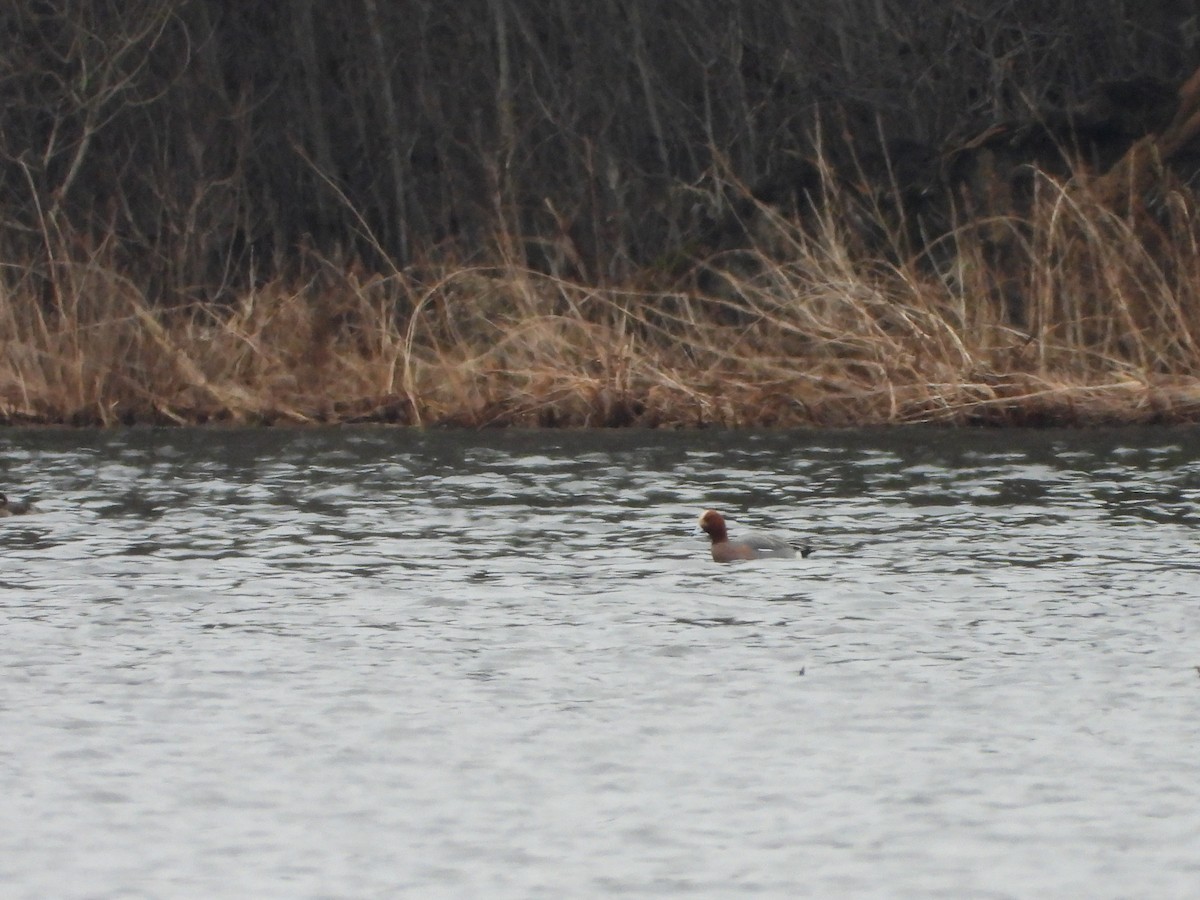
x,y
1108,332
505,213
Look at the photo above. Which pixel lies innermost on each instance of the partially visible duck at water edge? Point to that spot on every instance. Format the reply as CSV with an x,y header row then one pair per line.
x,y
15,507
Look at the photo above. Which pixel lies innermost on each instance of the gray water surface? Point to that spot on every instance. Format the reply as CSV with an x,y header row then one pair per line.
x,y
382,662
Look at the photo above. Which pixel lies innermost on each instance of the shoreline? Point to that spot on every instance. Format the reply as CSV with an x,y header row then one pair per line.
x,y
1087,320
1132,405
453,396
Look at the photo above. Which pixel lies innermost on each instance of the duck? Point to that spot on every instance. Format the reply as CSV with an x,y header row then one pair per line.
x,y
753,546
15,507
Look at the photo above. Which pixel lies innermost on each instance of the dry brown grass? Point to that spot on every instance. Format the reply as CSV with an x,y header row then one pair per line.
x,y
1073,315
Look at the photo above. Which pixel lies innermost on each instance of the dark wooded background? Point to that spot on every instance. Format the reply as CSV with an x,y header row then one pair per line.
x,y
200,144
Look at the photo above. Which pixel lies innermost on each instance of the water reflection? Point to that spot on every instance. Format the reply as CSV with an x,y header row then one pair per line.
x,y
308,662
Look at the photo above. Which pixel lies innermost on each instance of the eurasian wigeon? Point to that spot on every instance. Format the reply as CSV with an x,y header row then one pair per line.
x,y
754,546
15,507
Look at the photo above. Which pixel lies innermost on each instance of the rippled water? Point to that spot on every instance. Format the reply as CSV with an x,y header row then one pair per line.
x,y
367,663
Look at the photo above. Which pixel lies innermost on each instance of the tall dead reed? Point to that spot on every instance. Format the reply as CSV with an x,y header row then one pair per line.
x,y
1069,314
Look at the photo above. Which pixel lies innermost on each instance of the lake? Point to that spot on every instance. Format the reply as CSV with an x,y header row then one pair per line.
x,y
383,662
